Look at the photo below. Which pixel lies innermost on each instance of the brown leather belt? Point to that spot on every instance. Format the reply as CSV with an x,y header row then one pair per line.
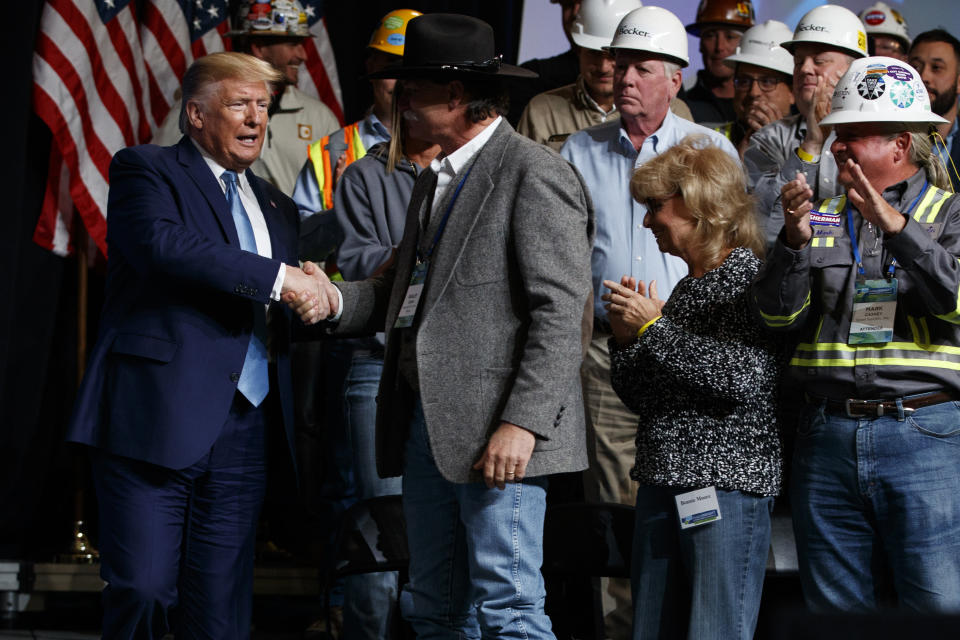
x,y
856,408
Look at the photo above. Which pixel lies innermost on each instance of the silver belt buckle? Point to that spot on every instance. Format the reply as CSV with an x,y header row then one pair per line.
x,y
862,414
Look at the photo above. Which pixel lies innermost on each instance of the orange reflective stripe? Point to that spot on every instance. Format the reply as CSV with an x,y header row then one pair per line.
x,y
327,187
348,141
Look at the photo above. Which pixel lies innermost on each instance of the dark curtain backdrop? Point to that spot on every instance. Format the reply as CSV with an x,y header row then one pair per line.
x,y
38,318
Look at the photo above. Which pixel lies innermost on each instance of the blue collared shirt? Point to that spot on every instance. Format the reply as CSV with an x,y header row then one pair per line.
x,y
606,158
943,152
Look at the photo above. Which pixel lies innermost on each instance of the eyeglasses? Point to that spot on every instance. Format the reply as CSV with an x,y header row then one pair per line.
x,y
767,83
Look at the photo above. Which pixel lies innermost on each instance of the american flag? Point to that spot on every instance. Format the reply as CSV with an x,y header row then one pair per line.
x,y
318,77
105,77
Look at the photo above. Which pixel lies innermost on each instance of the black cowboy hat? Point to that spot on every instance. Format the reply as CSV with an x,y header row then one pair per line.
x,y
448,44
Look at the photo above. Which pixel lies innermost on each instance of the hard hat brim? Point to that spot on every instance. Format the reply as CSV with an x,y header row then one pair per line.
x,y
855,117
790,44
590,42
766,62
666,56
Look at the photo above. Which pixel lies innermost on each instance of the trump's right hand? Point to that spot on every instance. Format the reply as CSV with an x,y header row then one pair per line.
x,y
309,293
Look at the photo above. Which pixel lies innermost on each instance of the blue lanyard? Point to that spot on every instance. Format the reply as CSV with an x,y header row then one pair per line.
x,y
443,222
855,243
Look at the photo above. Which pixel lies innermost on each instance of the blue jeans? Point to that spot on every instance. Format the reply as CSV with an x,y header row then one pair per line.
x,y
475,553
369,599
704,582
881,491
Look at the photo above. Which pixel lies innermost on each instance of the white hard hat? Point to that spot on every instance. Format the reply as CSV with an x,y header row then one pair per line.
x,y
652,29
834,26
594,26
881,20
880,89
760,45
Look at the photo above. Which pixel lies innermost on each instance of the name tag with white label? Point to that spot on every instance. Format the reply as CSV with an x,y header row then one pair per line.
x,y
874,308
698,507
411,300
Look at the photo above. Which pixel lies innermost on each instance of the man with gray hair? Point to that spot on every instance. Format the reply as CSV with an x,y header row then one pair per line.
x,y
181,391
649,47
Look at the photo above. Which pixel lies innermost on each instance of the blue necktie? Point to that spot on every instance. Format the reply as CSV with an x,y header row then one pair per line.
x,y
254,378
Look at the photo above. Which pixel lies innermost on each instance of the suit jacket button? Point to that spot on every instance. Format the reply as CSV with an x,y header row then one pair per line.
x,y
234,377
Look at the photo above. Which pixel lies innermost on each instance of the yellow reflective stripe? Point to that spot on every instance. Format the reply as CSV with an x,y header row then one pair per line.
x,y
935,209
833,205
824,242
894,362
784,321
357,143
887,346
315,153
924,203
921,332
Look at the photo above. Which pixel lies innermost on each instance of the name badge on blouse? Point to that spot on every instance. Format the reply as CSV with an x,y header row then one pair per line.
x,y
411,300
874,307
697,507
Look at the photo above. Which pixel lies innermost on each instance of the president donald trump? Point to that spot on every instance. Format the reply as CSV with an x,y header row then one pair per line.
x,y
181,390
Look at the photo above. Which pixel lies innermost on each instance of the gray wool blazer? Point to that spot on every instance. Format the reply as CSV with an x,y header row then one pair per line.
x,y
498,327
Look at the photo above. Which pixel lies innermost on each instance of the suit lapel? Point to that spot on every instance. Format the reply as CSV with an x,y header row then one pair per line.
x,y
209,185
272,216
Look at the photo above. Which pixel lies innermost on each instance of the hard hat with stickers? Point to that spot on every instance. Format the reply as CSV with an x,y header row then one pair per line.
x,y
880,89
882,20
278,18
390,34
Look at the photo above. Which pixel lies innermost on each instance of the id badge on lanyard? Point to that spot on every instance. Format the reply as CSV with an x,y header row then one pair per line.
x,y
411,300
874,301
874,308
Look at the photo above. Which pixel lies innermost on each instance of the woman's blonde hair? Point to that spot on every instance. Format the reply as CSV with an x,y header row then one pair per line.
x,y
713,189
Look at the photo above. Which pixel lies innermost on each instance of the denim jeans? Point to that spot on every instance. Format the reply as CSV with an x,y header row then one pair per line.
x,y
475,553
369,600
875,492
703,582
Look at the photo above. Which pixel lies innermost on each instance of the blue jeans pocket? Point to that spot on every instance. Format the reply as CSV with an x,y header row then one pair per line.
x,y
811,422
938,421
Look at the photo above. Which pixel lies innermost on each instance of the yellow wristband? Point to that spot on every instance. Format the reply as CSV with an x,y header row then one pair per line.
x,y
646,326
806,157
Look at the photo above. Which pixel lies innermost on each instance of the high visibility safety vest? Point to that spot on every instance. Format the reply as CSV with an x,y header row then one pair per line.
x,y
324,153
725,129
922,341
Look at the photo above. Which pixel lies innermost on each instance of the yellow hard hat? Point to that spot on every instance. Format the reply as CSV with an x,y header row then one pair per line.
x,y
390,34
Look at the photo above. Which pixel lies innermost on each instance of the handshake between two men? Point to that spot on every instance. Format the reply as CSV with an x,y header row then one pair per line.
x,y
309,292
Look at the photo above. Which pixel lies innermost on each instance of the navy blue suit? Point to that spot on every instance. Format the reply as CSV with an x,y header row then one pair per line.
x,y
159,403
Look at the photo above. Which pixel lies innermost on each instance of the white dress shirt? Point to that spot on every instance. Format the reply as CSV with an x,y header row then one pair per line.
x,y
261,235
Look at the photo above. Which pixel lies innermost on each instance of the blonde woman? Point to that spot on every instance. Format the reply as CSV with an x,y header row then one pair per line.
x,y
702,375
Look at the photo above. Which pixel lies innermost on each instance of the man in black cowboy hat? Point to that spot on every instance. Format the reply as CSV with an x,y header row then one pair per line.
x,y
480,394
